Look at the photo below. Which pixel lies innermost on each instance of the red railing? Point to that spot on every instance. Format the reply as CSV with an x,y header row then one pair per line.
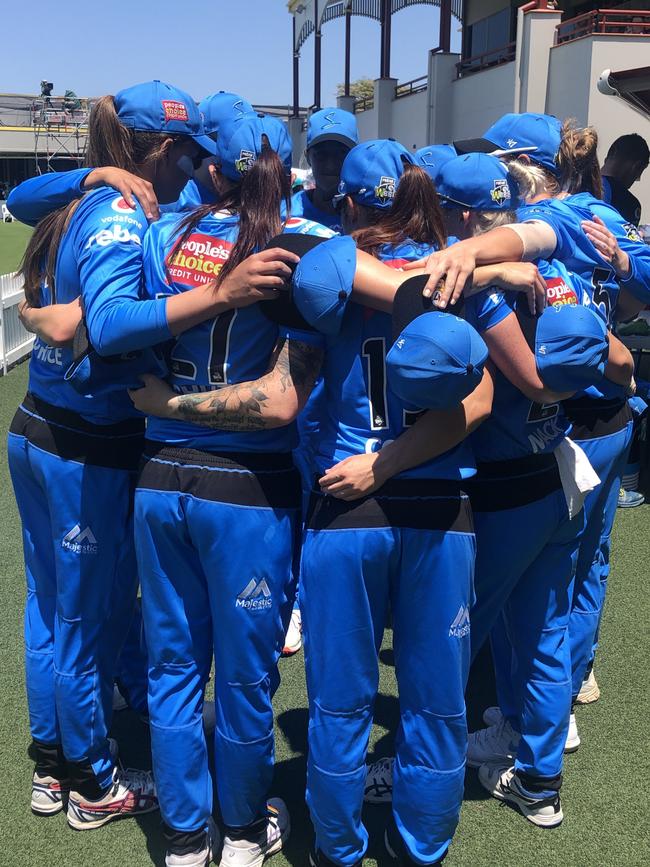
x,y
409,87
487,59
607,22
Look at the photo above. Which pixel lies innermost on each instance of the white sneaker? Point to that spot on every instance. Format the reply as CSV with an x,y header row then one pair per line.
x,y
132,793
119,702
502,783
379,782
49,795
589,691
293,638
572,738
252,849
496,743
201,858
492,715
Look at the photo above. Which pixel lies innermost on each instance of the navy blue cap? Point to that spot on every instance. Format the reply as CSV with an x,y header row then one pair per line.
x,y
433,157
332,124
223,107
322,283
571,347
371,172
158,107
539,135
477,182
436,361
240,143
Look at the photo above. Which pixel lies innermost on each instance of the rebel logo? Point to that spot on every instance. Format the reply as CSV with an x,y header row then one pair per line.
x,y
558,292
174,110
198,260
121,206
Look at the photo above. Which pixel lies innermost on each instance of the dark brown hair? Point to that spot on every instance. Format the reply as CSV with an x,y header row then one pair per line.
x,y
110,143
257,200
414,215
578,160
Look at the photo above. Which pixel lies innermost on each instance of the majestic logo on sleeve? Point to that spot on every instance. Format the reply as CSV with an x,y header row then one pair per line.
x,y
500,191
199,260
245,161
80,541
559,292
174,110
385,189
460,625
255,596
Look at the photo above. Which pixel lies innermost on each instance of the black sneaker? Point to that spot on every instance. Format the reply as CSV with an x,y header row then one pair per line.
x,y
396,848
317,859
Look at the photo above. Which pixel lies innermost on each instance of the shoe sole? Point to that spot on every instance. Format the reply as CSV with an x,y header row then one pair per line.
x,y
291,651
78,825
506,797
572,747
589,696
47,811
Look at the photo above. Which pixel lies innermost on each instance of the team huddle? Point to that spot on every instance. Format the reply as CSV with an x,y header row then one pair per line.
x,y
256,419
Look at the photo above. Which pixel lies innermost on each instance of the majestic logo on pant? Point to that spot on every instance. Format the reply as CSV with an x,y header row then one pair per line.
x,y
80,541
460,625
255,595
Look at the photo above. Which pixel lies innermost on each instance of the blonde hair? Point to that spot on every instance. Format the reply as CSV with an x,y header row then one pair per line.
x,y
483,221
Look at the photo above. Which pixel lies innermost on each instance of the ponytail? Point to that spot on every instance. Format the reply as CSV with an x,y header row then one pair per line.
x,y
39,259
414,215
578,160
257,199
109,141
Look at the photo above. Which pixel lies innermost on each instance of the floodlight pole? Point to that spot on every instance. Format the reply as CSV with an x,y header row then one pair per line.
x,y
348,32
384,68
296,73
317,57
445,26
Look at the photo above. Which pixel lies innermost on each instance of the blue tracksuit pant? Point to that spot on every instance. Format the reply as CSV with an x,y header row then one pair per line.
x,y
525,563
81,575
132,667
215,539
410,546
605,435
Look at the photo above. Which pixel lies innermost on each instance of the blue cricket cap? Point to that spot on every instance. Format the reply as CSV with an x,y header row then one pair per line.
x,y
433,157
322,283
223,107
571,347
477,182
332,124
539,135
240,143
371,172
158,107
436,361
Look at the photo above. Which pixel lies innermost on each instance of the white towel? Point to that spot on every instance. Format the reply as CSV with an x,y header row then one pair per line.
x,y
577,475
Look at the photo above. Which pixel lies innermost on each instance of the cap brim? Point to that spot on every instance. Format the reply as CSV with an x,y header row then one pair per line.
x,y
207,144
282,310
409,303
485,146
332,136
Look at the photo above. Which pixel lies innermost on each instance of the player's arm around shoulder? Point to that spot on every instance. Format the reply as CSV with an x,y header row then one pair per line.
x,y
272,401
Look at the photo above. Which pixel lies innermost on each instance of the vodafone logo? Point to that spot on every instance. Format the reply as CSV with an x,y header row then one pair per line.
x,y
199,260
558,292
121,206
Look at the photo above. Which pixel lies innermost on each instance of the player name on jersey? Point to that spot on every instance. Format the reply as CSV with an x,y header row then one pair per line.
x,y
199,259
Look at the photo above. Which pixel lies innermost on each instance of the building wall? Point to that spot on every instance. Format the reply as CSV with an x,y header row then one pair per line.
x,y
479,99
409,120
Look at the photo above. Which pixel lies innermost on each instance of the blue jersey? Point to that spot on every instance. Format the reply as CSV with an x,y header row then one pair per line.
x,y
100,259
302,206
235,346
518,426
37,197
359,411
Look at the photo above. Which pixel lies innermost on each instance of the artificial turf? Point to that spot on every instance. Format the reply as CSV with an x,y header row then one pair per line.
x,y
605,795
13,240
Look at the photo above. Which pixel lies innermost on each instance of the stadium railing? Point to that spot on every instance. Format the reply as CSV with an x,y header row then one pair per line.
x,y
15,341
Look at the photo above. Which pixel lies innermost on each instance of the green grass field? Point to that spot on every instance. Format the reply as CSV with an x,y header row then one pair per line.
x,y
13,240
604,797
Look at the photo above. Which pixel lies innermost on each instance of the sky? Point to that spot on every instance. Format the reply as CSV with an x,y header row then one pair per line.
x,y
200,46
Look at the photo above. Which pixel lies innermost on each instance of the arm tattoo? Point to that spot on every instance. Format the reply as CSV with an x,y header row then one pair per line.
x,y
248,406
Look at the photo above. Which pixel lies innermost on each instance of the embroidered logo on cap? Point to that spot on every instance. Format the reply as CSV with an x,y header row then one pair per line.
x,y
245,161
385,189
174,110
500,191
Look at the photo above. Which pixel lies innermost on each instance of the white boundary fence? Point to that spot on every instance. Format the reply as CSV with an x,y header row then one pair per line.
x,y
15,341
